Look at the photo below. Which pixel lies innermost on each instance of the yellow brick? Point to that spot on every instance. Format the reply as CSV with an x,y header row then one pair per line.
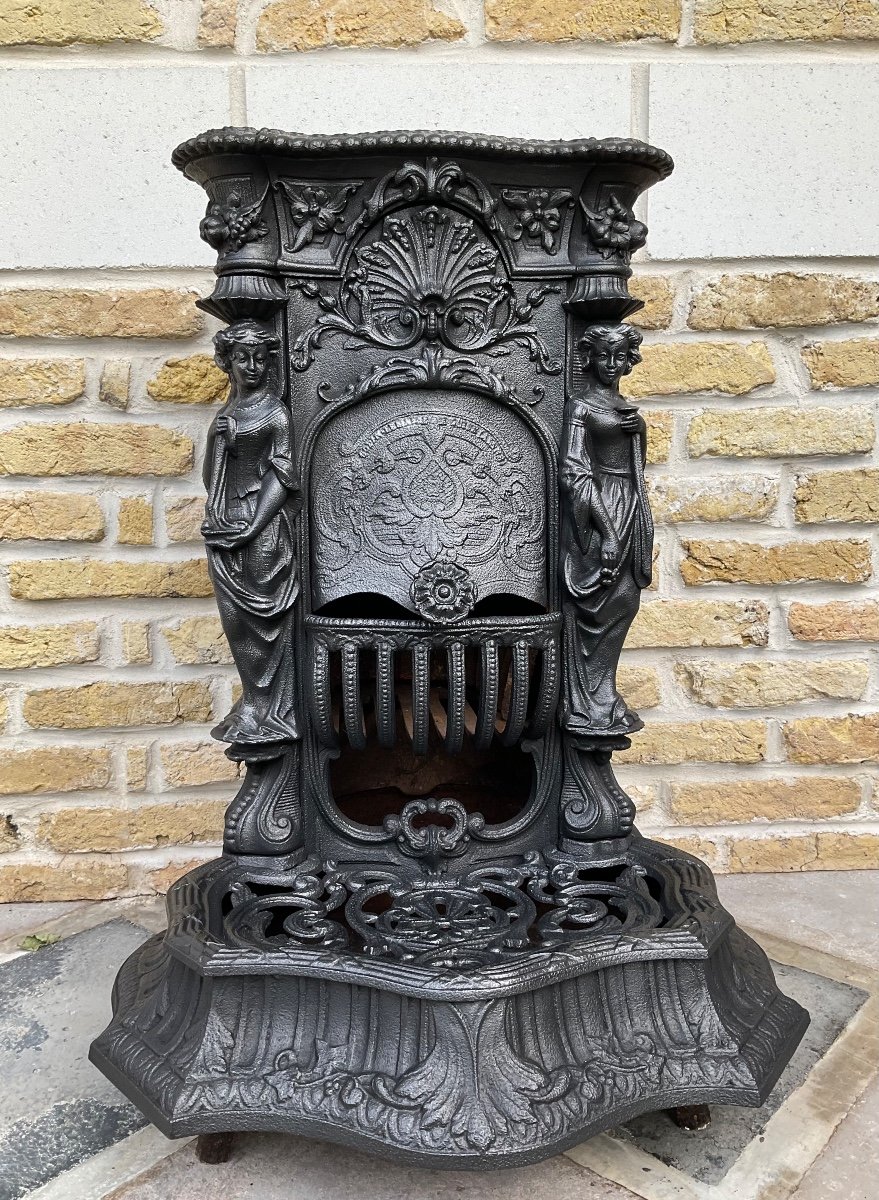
x,y
9,839
136,643
721,22
722,498
63,22
50,516
849,739
639,686
659,431
193,380
86,578
853,363
838,496
809,852
847,851
764,683
54,769
87,879
302,25
836,621
71,830
216,26
161,880
706,849
679,623
574,20
135,521
183,518
30,381
721,802
90,448
842,561
136,766
658,296
675,368
96,705
197,640
115,382
665,743
192,764
780,432
82,312
785,299
47,645
4,712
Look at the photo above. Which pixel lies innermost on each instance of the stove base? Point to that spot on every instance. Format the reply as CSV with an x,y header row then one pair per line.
x,y
472,1066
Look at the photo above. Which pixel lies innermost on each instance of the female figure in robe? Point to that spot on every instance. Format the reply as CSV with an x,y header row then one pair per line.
x,y
607,534
252,499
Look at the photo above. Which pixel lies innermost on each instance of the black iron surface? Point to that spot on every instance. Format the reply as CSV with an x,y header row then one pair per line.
x,y
434,930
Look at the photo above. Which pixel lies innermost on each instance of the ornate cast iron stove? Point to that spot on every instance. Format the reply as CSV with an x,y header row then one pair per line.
x,y
434,931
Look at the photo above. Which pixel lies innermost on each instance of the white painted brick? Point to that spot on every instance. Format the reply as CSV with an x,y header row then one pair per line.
x,y
86,154
515,99
771,159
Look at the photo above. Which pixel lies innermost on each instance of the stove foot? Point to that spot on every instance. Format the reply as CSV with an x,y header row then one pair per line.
x,y
691,1116
214,1148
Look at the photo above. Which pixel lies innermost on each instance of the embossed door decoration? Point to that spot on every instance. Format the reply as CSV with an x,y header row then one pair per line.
x,y
417,486
434,930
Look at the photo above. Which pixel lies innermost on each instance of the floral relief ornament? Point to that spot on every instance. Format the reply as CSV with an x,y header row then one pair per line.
x,y
443,591
613,229
538,214
232,225
315,210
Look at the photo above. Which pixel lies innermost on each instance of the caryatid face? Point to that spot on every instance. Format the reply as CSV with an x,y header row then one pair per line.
x,y
610,360
248,363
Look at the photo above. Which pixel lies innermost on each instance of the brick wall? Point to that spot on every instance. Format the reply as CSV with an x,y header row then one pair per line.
x,y
753,658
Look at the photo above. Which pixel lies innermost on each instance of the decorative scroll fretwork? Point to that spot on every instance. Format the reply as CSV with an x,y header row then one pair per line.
x,y
446,920
303,912
420,832
432,369
431,276
432,182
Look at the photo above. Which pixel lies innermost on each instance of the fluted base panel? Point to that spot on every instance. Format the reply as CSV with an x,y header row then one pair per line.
x,y
468,1067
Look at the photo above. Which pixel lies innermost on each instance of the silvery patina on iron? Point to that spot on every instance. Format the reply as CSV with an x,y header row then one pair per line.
x,y
434,931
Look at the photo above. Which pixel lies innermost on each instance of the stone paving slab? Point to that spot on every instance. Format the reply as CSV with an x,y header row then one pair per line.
x,y
833,911
281,1167
848,1169
55,1108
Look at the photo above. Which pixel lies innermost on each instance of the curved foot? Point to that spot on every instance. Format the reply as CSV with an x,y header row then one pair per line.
x,y
214,1148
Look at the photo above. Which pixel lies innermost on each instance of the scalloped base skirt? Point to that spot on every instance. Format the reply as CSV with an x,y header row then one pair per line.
x,y
466,1067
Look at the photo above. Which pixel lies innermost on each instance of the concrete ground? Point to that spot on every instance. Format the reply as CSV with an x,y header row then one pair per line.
x,y
66,1135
